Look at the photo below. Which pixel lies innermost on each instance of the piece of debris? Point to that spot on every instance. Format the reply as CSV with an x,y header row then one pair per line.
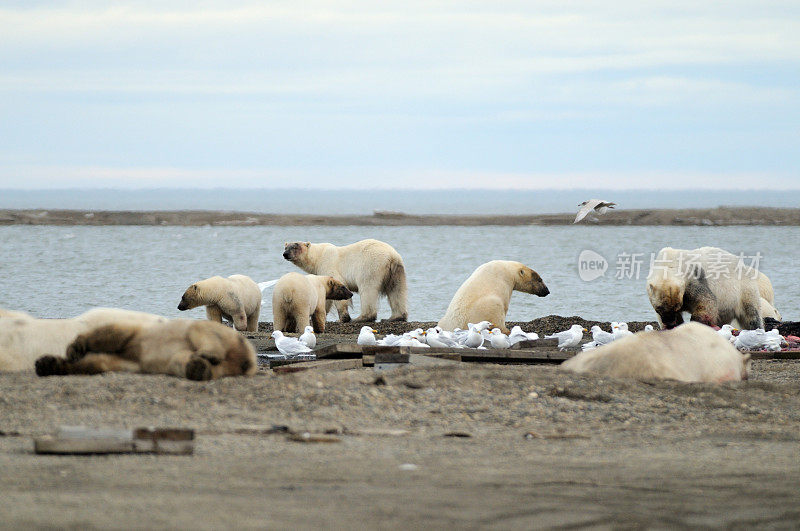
x,y
408,467
461,434
307,437
83,440
534,435
380,380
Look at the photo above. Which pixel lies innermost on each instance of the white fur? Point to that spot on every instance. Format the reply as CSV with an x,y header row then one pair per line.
x,y
485,295
736,296
236,298
691,352
299,300
362,267
23,340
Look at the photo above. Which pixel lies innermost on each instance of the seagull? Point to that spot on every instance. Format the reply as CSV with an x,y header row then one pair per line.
x,y
367,336
409,340
308,338
459,335
288,346
568,338
474,338
436,338
390,340
773,340
750,339
599,338
499,339
268,284
419,335
593,206
648,328
726,331
621,330
518,335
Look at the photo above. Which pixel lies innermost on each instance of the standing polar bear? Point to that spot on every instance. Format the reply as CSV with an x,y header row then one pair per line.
x,y
236,298
689,353
710,283
197,350
485,295
299,299
370,268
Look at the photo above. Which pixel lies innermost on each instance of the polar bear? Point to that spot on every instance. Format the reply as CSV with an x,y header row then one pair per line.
x,y
485,295
710,283
197,350
370,268
691,352
299,299
12,314
236,298
765,288
23,339
768,310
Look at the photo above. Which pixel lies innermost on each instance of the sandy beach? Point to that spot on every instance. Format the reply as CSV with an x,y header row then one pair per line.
x,y
466,445
721,216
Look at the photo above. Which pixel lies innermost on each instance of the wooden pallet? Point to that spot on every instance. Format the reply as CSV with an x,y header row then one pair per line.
x,y
539,354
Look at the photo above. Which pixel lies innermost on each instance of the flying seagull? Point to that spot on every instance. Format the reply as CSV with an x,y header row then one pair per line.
x,y
596,206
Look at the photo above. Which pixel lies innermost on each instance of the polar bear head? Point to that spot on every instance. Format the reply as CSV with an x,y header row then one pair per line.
x,y
666,296
527,280
295,251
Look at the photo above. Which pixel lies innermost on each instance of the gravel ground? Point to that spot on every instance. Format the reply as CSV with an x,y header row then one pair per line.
x,y
535,447
542,325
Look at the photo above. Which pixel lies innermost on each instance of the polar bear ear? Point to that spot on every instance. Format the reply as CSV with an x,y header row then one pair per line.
x,y
285,245
522,272
308,244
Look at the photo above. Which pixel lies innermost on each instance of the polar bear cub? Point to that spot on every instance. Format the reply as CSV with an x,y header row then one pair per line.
x,y
236,298
299,299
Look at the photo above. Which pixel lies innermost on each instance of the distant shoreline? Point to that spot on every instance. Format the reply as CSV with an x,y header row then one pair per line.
x,y
720,216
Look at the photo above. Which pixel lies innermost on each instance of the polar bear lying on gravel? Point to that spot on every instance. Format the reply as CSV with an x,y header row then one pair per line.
x,y
691,352
24,338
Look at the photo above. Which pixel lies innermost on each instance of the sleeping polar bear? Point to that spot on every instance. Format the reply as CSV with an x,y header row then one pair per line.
x,y
691,352
24,338
197,350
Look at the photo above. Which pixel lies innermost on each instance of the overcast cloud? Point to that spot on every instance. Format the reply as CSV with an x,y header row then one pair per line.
x,y
554,94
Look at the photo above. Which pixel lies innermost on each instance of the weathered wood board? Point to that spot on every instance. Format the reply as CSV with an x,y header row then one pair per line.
x,y
326,365
82,440
545,354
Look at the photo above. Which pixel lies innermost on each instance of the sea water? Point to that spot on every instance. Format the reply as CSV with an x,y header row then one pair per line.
x,y
55,271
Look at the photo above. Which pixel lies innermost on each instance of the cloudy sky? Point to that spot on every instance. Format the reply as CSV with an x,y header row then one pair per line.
x,y
329,94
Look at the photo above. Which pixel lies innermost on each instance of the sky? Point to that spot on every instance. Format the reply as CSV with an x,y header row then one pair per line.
x,y
672,94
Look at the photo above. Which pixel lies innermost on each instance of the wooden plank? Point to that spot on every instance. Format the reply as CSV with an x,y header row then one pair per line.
x,y
539,343
80,440
290,361
768,355
52,445
544,352
339,351
368,360
516,356
326,365
391,357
